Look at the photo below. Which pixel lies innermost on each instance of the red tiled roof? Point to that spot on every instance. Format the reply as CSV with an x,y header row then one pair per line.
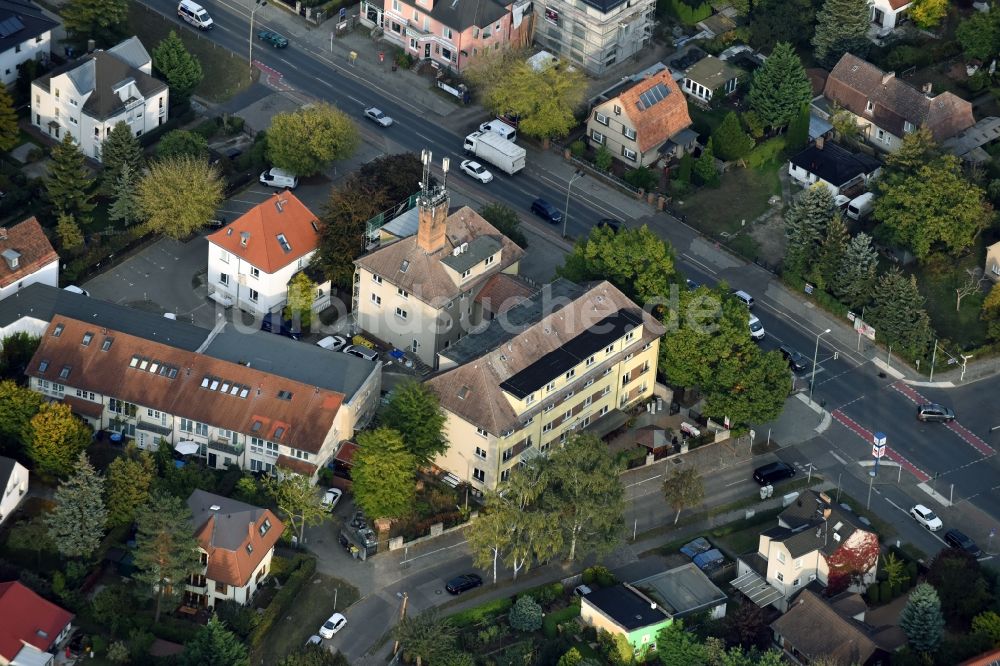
x,y
27,617
85,407
27,239
283,214
298,466
657,123
502,292
236,565
346,453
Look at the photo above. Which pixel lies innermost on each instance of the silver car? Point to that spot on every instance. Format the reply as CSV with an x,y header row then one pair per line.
x,y
477,171
375,115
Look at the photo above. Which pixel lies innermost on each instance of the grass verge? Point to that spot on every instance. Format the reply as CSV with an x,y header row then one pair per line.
x,y
711,210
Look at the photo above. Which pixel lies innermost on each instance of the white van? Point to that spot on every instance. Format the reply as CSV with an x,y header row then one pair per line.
x,y
499,127
756,328
76,290
275,177
195,14
860,206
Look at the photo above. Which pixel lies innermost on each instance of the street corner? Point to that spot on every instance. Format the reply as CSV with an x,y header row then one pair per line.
x,y
801,420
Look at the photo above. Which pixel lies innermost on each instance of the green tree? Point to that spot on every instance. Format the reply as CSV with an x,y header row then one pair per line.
x,y
119,151
776,21
68,231
182,142
636,261
587,495
750,388
990,314
960,585
894,570
10,134
854,282
56,439
107,606
31,535
506,220
77,523
704,167
841,27
426,636
917,149
685,168
125,207
383,474
730,139
69,184
297,500
780,87
603,158
397,176
314,655
489,535
927,14
307,141
129,482
16,351
181,69
525,614
342,229
921,619
544,100
805,223
897,313
677,647
102,20
18,405
301,296
179,195
166,551
987,624
798,130
979,35
832,251
414,411
571,657
683,489
215,645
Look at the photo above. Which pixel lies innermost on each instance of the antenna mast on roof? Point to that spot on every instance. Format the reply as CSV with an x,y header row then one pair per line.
x,y
425,181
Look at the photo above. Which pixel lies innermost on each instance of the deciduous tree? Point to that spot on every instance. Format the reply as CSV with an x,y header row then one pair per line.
x,y
10,134
525,614
780,87
750,387
55,439
33,535
774,21
130,479
898,315
426,636
166,551
990,314
301,296
307,141
69,184
854,282
120,150
414,411
979,35
383,474
77,523
921,619
506,220
683,489
960,585
342,229
730,140
297,500
841,27
181,69
216,645
182,142
18,405
16,351
397,176
179,195
987,624
543,99
927,14
69,233
314,655
102,20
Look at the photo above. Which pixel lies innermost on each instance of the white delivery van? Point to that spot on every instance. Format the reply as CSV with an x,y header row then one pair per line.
x,y
756,328
195,14
860,206
77,290
275,177
499,127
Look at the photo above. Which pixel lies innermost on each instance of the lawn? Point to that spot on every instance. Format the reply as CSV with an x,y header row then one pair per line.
x,y
226,74
311,609
742,194
703,121
937,279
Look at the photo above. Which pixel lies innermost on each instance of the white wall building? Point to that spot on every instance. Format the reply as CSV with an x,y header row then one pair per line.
x,y
25,34
13,486
26,257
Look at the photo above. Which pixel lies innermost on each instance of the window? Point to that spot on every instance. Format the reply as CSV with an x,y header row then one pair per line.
x,y
224,279
153,413
481,452
908,126
58,330
882,136
781,557
628,132
401,313
628,154
795,583
106,345
87,337
568,415
548,408
402,292
530,398
254,272
446,32
630,335
264,527
479,475
395,5
254,295
376,279
547,427
597,137
482,433
798,563
504,475
781,577
73,121
376,299
301,455
609,349
467,273
618,110
590,360
569,394
551,386
222,588
600,117
870,106
489,259
571,374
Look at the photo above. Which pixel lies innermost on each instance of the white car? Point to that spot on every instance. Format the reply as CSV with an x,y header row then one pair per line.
x,y
333,625
333,342
314,640
375,115
477,171
331,498
926,517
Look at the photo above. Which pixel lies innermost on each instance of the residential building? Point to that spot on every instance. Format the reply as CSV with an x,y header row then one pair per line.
x,y
814,540
253,258
887,15
835,167
28,257
418,293
568,359
626,611
25,34
834,631
887,109
86,98
236,542
992,269
594,35
684,591
448,33
13,486
31,628
644,123
710,77
969,143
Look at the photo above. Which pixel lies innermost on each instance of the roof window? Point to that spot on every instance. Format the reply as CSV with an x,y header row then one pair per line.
x,y
58,330
64,373
284,395
278,432
106,345
283,242
43,365
87,337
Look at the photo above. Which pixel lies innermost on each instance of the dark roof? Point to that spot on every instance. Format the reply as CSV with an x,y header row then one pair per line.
x,y
834,164
6,470
571,354
626,607
842,640
461,14
604,5
21,21
43,302
811,523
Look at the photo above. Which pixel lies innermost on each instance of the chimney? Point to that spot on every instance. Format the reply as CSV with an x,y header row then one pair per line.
x,y
888,76
432,209
819,143
826,512
927,89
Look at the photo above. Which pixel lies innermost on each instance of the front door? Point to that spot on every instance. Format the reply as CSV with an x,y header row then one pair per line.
x,y
427,50
211,460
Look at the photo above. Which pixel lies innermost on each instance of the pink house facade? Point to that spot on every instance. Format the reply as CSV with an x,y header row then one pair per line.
x,y
450,33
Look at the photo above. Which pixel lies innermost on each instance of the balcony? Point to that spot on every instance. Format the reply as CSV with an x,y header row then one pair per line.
x,y
156,428
225,446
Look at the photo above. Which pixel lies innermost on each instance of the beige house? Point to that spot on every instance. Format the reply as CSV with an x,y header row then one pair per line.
x,y
566,359
418,293
710,77
992,270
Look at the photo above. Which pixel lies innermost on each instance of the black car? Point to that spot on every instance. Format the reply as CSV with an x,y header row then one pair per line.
x,y
771,473
285,327
959,541
546,211
796,361
463,583
691,284
610,223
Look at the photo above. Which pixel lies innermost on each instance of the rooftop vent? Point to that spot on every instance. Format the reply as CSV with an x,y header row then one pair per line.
x,y
3,233
214,507
280,204
12,257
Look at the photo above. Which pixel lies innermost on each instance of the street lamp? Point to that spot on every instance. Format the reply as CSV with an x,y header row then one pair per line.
x,y
257,5
577,175
812,380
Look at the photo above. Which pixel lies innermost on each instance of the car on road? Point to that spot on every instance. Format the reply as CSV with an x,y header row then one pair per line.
x,y
375,115
272,38
959,541
771,473
926,517
796,361
463,583
546,211
333,625
934,412
333,342
744,298
756,328
610,223
331,498
361,352
477,171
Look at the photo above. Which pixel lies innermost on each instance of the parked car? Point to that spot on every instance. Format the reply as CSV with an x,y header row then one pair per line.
x,y
314,640
926,517
744,298
285,326
691,284
546,211
333,342
272,38
959,541
610,223
463,583
331,498
361,352
796,361
76,290
333,625
582,590
696,547
375,115
934,412
771,473
477,171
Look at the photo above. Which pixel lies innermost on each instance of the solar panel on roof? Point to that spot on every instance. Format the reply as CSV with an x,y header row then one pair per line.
x,y
9,26
652,96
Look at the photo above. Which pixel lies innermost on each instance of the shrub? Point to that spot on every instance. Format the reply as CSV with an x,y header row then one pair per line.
x,y
603,159
238,618
283,599
99,644
35,154
766,153
642,178
544,594
553,620
600,575
687,14
174,630
578,148
526,614
487,611
886,591
874,598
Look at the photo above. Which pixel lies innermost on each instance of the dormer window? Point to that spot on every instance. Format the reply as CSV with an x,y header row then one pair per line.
x,y
58,330
265,526
87,337
43,365
490,259
249,549
870,106
908,127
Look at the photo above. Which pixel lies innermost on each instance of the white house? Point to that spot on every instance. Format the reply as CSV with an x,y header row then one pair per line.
x,y
87,98
25,34
27,258
13,486
887,14
252,259
711,76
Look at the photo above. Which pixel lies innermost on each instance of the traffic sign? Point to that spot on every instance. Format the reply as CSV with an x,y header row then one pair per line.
x,y
879,439
878,450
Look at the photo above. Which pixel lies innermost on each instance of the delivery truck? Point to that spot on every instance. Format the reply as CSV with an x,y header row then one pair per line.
x,y
496,150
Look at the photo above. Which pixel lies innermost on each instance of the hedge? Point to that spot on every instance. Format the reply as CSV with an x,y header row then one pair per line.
x,y
174,630
687,14
544,594
283,599
486,611
766,153
550,625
